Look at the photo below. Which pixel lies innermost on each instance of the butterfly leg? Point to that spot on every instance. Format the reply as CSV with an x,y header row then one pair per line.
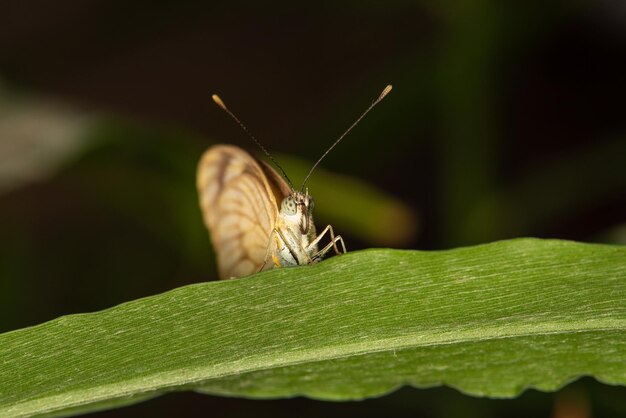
x,y
276,234
293,247
333,243
273,236
321,253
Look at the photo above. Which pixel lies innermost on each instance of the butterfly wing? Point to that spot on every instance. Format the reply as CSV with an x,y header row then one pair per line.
x,y
239,199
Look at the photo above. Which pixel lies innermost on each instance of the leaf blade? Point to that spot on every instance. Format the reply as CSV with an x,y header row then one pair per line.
x,y
490,320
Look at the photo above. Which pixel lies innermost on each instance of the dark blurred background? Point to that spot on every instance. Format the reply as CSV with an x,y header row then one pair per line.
x,y
507,119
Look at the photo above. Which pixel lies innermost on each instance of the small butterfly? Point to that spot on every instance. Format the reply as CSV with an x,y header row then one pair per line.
x,y
256,219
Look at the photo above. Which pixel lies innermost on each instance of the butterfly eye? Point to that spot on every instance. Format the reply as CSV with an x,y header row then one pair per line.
x,y
311,204
288,206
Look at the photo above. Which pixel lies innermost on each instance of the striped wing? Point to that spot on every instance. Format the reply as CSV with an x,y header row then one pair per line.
x,y
239,198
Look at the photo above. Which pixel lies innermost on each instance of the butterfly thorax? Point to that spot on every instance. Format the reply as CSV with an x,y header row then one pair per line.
x,y
295,230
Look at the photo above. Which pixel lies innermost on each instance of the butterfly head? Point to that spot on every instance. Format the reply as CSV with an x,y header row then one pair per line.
x,y
297,209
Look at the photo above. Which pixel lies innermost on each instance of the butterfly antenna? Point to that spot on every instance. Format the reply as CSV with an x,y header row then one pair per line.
x,y
382,95
221,104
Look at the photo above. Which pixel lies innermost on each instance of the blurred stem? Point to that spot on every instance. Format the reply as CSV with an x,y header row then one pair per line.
x,y
361,210
468,141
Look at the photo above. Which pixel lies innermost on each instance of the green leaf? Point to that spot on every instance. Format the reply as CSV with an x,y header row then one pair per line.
x,y
490,320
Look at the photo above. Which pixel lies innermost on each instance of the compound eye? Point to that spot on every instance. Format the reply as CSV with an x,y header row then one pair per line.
x,y
311,204
289,207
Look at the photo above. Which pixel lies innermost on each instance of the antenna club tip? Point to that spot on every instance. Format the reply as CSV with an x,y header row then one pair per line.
x,y
385,91
218,101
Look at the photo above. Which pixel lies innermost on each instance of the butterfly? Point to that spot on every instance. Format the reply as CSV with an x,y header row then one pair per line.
x,y
255,217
